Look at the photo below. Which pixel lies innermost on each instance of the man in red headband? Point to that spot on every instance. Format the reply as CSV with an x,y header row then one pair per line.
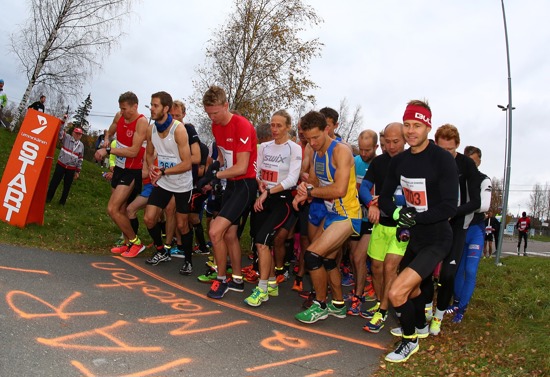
x,y
429,179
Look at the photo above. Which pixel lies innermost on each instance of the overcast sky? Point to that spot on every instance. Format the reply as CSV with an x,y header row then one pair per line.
x,y
377,54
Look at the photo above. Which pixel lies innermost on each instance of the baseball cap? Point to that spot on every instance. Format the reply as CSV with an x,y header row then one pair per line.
x,y
1,81
78,130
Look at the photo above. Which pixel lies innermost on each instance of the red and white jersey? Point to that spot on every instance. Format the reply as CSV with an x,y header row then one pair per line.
x,y
235,137
124,139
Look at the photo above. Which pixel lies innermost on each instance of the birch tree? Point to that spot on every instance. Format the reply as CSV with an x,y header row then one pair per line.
x,y
63,42
258,57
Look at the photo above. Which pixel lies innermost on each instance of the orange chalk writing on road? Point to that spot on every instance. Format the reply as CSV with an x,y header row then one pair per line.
x,y
57,311
276,342
149,372
67,341
189,322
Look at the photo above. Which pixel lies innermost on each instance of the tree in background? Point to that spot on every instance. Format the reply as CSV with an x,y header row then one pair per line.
x,y
259,59
496,195
349,127
64,41
82,113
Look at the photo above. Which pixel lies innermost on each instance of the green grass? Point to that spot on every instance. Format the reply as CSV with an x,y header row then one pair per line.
x,y
505,332
82,225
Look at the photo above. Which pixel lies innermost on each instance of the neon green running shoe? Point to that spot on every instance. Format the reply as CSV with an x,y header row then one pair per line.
x,y
257,297
273,290
435,326
208,276
313,314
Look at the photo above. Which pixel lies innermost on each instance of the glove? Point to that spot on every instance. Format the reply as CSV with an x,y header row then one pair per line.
x,y
209,175
405,217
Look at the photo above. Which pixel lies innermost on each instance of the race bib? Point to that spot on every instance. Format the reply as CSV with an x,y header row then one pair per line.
x,y
271,176
414,190
166,161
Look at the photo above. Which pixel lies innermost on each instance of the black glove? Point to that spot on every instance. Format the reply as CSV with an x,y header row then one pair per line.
x,y
209,175
406,217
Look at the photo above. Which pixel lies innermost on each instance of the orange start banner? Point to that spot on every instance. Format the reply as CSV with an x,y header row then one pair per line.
x,y
25,180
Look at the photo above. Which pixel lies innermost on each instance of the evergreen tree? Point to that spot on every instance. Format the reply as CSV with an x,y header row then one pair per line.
x,y
81,113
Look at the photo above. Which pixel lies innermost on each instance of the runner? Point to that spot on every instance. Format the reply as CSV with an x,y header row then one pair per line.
x,y
429,179
385,250
448,138
278,169
334,171
172,178
236,141
367,143
130,128
465,280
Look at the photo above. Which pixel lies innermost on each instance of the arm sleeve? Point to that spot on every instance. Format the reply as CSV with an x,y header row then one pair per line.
x,y
364,191
259,157
385,200
485,195
295,166
473,185
112,157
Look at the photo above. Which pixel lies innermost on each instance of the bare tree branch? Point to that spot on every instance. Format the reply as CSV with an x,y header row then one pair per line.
x,y
64,41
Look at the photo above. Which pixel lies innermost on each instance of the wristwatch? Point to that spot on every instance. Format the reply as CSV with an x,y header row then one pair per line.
x,y
268,192
108,149
162,171
309,189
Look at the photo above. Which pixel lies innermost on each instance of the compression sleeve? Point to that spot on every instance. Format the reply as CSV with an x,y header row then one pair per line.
x,y
364,191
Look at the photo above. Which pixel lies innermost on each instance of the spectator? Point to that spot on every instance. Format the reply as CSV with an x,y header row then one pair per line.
x,y
39,105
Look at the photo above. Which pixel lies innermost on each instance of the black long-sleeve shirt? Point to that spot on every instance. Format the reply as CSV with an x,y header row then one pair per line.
x,y
429,180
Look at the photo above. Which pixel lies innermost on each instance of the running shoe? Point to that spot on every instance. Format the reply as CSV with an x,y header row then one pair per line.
x,y
458,317
451,309
217,290
257,297
133,251
369,313
404,350
251,276
298,287
208,276
422,333
175,252
233,286
200,251
355,306
186,269
245,269
273,290
313,314
282,277
347,280
336,312
305,294
435,326
350,295
159,256
120,249
309,301
376,323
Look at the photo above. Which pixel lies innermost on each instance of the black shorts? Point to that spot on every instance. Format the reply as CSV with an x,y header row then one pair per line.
x,y
277,211
160,198
366,228
125,177
303,219
489,237
237,198
424,255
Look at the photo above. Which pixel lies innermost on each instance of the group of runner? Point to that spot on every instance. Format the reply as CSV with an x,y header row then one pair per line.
x,y
319,189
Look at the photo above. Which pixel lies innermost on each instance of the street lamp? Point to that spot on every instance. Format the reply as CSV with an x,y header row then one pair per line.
x,y
505,108
509,109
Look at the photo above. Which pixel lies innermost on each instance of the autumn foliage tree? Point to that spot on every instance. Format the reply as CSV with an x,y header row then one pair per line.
x,y
258,57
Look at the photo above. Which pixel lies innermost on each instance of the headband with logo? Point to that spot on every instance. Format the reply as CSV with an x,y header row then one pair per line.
x,y
420,113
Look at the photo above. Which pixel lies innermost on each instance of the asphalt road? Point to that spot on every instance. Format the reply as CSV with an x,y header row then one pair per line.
x,y
80,315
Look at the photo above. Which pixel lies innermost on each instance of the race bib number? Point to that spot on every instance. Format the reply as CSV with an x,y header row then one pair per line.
x,y
227,158
269,176
414,190
167,161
